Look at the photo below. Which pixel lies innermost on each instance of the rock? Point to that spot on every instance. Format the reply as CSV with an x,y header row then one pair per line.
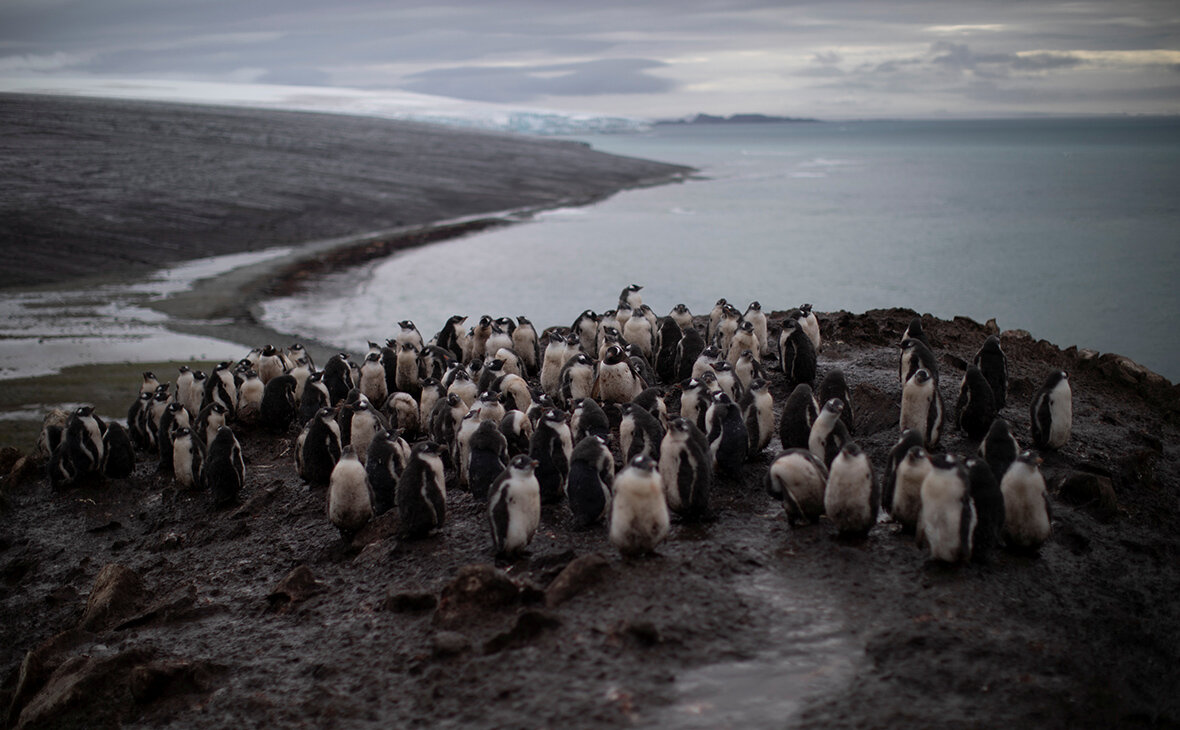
x,y
257,501
150,682
529,625
171,607
379,528
299,585
24,470
991,327
476,589
55,417
876,410
85,691
580,574
38,664
644,633
449,643
1090,490
8,457
408,602
117,593
1138,467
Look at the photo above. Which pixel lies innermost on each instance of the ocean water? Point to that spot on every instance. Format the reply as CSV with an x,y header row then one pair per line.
x,y
1069,229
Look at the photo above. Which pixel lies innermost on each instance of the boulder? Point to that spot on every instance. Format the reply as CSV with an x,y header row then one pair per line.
x,y
117,593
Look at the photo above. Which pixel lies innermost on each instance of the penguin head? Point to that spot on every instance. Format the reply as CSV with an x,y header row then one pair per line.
x,y
680,424
680,309
613,356
851,450
199,375
489,397
83,411
634,287
556,338
147,398
707,380
324,414
269,351
455,319
216,407
922,376
944,462
790,323
373,357
634,351
554,416
721,398
834,405
627,409
523,464
584,359
721,302
183,369
162,393
495,365
426,447
722,366
755,306
747,356
485,321
148,376
522,321
992,344
505,323
805,308
746,326
183,432
731,312
643,463
573,340
916,454
590,315
175,407
453,400
461,374
712,352
409,347
1030,458
757,385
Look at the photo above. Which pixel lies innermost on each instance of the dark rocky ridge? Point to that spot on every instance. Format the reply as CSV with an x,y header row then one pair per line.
x,y
96,186
260,616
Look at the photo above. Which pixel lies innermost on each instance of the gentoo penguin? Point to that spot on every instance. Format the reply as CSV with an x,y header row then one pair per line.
x,y
747,369
299,355
695,398
914,331
652,399
727,327
81,450
688,350
757,318
909,439
478,339
835,386
616,381
512,362
976,407
852,496
462,385
796,353
588,487
585,326
728,381
639,515
175,417
517,429
350,501
118,454
221,387
491,371
372,381
921,407
406,376
989,509
681,316
729,443
1051,412
916,356
211,418
640,364
408,333
452,335
630,296
318,448
686,469
715,316
366,423
1027,514
638,331
1000,448
588,419
551,447
527,345
758,413
515,391
315,396
278,403
487,457
810,325
196,392
136,423
446,418
557,354
188,457
705,361
224,472
577,378
906,492
184,385
490,407
434,361
154,414
668,337
828,434
799,480
993,363
458,451
421,491
639,433
947,520
337,377
799,413
744,341
432,392
500,338
388,453
514,506
270,364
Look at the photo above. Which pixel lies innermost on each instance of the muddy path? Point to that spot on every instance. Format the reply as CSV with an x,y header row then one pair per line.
x,y
260,615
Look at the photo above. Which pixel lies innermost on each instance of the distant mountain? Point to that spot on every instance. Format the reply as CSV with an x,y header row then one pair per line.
x,y
734,119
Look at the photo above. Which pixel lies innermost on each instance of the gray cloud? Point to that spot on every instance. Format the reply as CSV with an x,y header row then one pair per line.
x,y
526,83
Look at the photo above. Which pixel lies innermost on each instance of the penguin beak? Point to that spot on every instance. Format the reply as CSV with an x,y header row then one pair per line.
x,y
536,464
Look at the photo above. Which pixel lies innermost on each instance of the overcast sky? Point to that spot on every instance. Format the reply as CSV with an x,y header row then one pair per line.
x,y
892,58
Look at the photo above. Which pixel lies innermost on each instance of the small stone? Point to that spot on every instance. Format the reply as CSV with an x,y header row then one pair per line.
x,y
8,457
529,625
409,602
476,590
150,682
25,469
299,585
991,327
1090,490
581,574
117,593
449,643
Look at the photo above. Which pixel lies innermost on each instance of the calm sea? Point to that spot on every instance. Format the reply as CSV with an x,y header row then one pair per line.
x,y
1067,228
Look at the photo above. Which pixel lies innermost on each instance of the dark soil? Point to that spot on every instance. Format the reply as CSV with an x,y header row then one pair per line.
x,y
98,186
259,615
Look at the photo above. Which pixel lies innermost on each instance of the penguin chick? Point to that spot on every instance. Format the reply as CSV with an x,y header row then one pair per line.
x,y
852,497
514,506
372,381
799,479
906,495
225,470
909,439
1027,513
835,386
630,296
188,458
118,454
350,502
318,448
810,325
517,429
688,350
639,433
947,520
639,515
914,330
421,491
617,381
715,316
921,407
828,434
988,501
315,396
1051,412
729,443
993,364
758,414
556,355
279,405
1000,448
799,413
487,457
388,453
588,419
577,378
976,407
588,487
668,337
797,356
551,447
916,356
686,469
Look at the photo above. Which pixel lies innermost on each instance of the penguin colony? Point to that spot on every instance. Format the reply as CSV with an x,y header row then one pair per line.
x,y
521,421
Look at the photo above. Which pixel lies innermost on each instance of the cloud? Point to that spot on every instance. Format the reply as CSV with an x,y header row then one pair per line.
x,y
40,62
525,83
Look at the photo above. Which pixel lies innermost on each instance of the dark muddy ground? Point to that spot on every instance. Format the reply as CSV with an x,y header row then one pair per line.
x,y
740,622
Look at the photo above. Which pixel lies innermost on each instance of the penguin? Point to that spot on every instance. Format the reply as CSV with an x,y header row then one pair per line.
x,y
211,418
729,443
915,331
551,447
1000,448
299,355
337,377
810,325
577,379
976,407
616,381
631,297
372,380
527,345
315,396
799,479
993,364
445,419
462,385
433,362
715,316
409,334
458,451
432,392
175,417
81,450
150,417
387,456
517,429
491,371
695,399
638,331
668,337
270,364
835,386
136,423
406,375
640,364
747,368
350,500
515,391
1050,413
947,521
499,339
852,496
556,355
452,335
364,426
588,419
421,491
686,469
828,434
221,387
224,471
588,487
585,326
681,315
490,408
478,339
300,373
705,361
149,383
652,399
118,454
184,385
1028,515
744,340
916,356
988,501
639,515
799,413
318,448
278,403
758,413
514,506
796,354
196,392
905,504
639,433
921,407
188,458
728,381
487,457
688,350
909,439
